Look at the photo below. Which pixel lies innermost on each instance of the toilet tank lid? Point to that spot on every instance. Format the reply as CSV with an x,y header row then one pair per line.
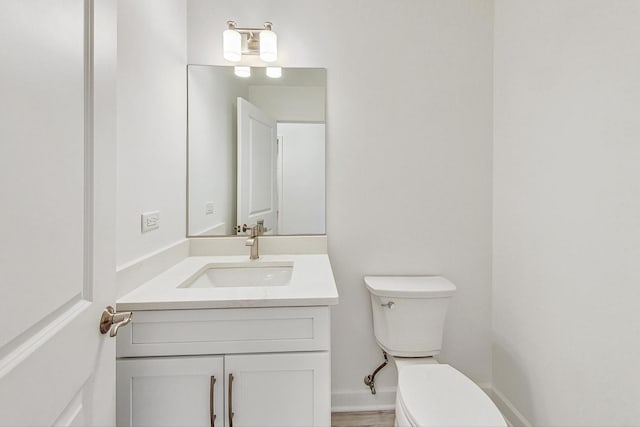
x,y
410,286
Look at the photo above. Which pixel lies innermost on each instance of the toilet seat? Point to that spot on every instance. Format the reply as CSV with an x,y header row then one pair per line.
x,y
439,395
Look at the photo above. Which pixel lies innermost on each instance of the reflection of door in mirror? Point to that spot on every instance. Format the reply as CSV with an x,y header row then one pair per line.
x,y
257,149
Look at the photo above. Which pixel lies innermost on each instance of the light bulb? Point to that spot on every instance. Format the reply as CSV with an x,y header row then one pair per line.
x,y
268,46
274,72
232,45
242,71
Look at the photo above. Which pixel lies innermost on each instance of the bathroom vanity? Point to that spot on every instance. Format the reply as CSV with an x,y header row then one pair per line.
x,y
223,341
229,340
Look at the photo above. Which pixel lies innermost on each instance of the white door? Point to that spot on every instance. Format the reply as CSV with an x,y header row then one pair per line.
x,y
257,160
171,391
302,189
57,185
278,390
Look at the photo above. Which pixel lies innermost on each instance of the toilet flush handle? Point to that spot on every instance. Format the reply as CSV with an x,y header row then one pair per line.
x,y
389,305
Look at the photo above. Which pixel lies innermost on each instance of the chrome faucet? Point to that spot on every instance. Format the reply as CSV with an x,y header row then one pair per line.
x,y
254,231
253,242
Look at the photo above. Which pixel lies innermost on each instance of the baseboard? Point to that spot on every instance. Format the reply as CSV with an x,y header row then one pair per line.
x,y
363,400
513,417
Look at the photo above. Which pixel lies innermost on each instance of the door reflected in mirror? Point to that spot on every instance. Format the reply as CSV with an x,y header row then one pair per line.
x,y
256,151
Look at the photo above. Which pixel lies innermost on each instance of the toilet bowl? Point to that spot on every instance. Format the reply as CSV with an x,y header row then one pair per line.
x,y
408,321
439,395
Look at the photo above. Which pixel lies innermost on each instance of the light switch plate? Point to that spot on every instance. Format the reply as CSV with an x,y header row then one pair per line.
x,y
208,208
150,221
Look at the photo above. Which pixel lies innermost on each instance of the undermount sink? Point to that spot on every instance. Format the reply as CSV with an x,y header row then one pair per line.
x,y
260,274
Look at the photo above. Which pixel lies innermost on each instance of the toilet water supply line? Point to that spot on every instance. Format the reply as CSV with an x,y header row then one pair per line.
x,y
370,380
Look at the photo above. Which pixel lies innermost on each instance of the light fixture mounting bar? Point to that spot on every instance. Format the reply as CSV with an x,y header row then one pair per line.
x,y
242,30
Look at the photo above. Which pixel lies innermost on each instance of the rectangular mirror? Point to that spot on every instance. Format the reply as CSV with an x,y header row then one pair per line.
x,y
256,151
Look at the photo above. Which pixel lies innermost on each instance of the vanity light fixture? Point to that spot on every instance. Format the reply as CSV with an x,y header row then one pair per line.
x,y
239,41
242,71
268,44
232,44
274,72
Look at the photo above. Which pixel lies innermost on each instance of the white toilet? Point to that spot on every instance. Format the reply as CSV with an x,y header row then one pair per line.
x,y
408,320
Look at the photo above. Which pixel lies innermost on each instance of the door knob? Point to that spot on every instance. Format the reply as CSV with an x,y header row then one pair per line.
x,y
110,321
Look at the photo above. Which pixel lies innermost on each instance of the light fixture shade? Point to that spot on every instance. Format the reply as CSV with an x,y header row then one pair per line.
x,y
274,72
232,45
242,71
268,46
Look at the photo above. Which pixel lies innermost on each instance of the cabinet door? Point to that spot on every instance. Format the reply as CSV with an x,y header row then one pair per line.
x,y
287,389
170,391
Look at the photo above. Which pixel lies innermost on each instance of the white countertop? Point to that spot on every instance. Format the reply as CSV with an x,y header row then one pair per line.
x,y
311,283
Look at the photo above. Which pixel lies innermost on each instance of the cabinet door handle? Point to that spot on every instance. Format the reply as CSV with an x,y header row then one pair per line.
x,y
230,400
212,416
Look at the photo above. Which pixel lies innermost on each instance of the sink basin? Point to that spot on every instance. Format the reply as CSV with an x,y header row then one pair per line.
x,y
241,275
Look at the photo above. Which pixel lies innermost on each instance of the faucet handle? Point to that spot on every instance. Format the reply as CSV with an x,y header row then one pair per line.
x,y
256,229
258,226
243,228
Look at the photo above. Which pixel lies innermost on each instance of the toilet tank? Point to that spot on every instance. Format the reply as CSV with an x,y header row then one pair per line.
x,y
409,313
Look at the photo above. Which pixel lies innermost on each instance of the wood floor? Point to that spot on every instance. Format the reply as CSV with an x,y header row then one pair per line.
x,y
363,419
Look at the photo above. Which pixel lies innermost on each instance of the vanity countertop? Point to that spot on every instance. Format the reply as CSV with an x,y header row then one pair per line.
x,y
311,284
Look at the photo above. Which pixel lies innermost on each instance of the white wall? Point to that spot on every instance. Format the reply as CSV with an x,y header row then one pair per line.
x,y
151,115
567,210
409,128
409,175
213,94
290,103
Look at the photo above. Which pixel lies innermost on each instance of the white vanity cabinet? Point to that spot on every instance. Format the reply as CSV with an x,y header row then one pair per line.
x,y
266,366
170,391
287,389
